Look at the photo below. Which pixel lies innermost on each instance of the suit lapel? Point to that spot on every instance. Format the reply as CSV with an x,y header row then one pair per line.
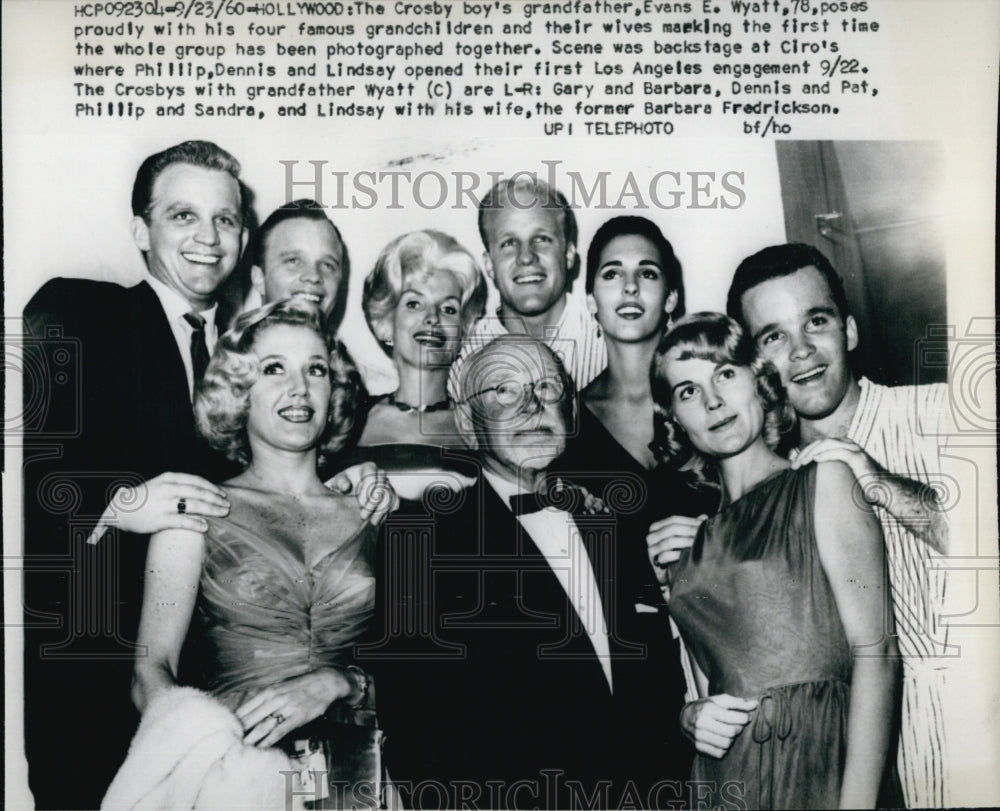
x,y
158,386
542,593
159,344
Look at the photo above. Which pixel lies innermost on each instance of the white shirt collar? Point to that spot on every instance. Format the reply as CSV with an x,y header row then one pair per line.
x,y
504,488
557,537
175,306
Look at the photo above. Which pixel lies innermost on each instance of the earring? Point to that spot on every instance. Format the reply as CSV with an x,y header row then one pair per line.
x,y
598,327
670,321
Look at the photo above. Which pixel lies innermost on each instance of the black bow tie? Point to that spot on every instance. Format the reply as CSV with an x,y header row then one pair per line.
x,y
559,496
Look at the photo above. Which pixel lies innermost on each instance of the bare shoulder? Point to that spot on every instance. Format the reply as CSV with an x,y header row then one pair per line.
x,y
840,503
834,476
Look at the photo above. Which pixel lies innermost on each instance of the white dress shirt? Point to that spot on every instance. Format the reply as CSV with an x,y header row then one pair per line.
x,y
175,306
556,535
903,428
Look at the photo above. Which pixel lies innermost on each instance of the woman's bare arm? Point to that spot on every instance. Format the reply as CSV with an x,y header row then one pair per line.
x,y
173,570
852,552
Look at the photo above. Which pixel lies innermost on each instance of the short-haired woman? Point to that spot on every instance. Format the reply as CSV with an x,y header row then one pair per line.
x,y
782,598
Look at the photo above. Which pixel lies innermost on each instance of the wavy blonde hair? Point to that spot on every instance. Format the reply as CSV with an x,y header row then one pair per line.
x,y
222,396
717,338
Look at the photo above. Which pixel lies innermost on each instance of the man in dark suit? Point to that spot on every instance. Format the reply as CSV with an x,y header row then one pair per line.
x,y
111,450
507,642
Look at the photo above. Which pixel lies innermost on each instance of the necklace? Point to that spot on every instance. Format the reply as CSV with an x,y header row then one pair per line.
x,y
406,408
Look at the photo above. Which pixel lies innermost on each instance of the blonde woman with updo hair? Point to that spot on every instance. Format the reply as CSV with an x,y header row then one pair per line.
x,y
420,300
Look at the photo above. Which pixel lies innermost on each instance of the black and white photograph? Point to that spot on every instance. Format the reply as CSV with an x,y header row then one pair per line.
x,y
500,405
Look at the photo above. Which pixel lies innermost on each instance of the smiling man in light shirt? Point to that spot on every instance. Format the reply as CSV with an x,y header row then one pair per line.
x,y
793,304
529,232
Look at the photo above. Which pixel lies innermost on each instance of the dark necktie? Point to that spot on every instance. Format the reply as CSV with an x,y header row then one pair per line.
x,y
565,497
199,349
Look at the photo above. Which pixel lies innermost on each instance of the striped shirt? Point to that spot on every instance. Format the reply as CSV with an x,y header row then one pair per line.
x,y
575,339
902,428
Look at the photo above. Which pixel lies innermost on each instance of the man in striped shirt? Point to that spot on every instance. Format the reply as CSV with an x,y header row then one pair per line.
x,y
529,232
793,304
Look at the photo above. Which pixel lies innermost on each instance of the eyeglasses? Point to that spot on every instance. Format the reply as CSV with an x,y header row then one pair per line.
x,y
510,393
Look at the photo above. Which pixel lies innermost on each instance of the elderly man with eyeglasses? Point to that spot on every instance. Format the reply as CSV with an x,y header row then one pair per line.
x,y
503,654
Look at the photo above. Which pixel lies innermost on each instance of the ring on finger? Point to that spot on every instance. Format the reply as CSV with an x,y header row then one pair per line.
x,y
182,505
279,719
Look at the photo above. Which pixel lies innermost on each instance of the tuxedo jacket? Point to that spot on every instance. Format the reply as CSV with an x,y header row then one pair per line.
x,y
106,403
488,688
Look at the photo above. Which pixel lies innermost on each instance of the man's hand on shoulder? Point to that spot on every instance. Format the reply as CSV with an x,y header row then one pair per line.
x,y
371,487
914,504
168,501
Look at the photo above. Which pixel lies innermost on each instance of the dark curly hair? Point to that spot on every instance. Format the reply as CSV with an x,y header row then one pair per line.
x,y
717,338
222,396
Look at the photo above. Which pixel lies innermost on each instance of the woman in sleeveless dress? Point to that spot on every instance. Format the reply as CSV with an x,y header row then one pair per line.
x,y
782,598
634,290
283,587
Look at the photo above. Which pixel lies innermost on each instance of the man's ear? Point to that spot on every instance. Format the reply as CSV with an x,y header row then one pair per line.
x,y
488,266
465,425
140,233
257,281
851,328
244,238
570,255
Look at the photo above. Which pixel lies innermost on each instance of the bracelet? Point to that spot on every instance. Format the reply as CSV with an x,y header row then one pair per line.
x,y
364,681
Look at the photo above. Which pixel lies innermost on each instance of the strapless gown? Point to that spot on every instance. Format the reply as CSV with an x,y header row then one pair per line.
x,y
755,607
267,615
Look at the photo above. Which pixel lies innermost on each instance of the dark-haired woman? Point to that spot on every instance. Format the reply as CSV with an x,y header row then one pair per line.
x,y
634,289
782,598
